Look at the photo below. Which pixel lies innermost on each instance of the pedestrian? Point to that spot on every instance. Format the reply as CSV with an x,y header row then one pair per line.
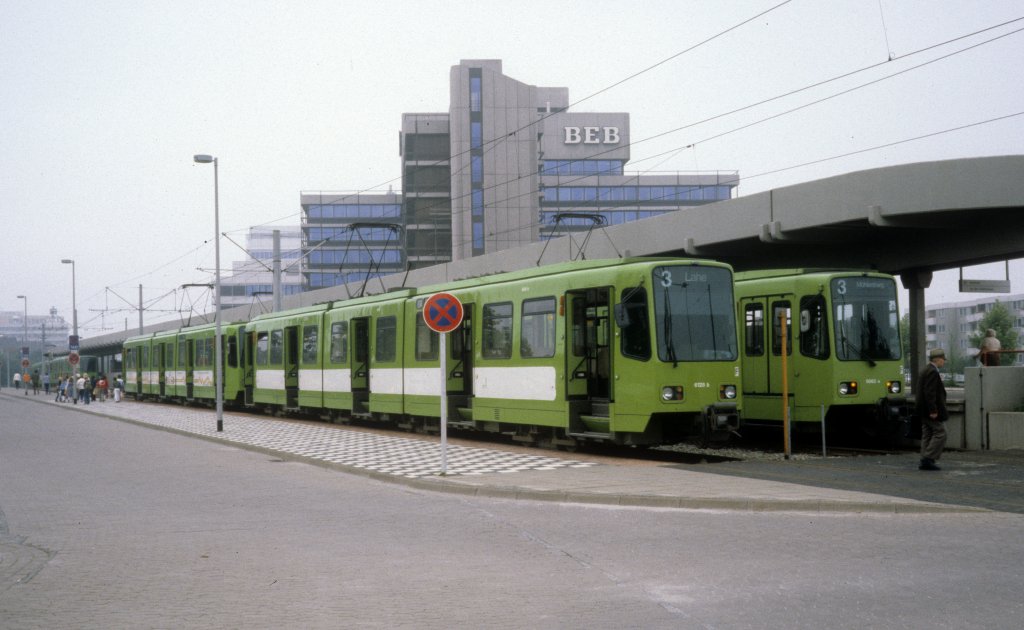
x,y
101,385
990,346
118,389
17,380
930,395
60,390
35,383
26,381
46,383
82,389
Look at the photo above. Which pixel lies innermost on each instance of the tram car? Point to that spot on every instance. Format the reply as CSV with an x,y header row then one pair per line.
x,y
844,356
58,366
630,351
179,364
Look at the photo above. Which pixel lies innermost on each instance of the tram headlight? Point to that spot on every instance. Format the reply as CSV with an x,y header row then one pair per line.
x,y
893,387
848,388
727,392
672,392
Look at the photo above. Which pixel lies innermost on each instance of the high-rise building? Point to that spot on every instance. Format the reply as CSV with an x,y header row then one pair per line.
x,y
509,164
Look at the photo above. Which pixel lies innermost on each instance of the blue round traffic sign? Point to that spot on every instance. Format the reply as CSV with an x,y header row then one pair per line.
x,y
442,312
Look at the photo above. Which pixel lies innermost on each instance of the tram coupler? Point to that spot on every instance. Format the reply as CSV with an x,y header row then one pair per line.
x,y
719,421
893,413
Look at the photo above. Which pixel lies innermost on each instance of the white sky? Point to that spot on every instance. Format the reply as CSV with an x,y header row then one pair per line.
x,y
103,105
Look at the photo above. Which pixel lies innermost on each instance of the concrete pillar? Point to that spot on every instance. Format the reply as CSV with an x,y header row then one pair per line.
x,y
916,281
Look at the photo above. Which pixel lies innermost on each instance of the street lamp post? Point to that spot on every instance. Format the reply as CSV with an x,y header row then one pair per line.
x,y
218,376
24,321
74,300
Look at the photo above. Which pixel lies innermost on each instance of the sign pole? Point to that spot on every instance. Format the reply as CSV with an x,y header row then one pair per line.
x,y
442,313
444,404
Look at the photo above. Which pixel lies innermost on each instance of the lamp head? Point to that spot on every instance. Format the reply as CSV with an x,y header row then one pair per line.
x,y
22,297
203,159
67,261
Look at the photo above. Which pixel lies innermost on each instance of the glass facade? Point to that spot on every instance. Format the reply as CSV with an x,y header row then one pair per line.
x,y
354,211
249,290
654,194
581,167
476,159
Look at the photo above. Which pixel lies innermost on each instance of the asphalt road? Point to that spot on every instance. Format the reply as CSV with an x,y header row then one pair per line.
x,y
105,524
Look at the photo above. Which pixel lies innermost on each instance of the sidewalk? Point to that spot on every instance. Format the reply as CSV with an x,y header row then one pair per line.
x,y
491,472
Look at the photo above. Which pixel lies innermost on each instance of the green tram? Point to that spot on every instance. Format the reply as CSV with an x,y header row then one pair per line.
x,y
179,364
631,351
848,357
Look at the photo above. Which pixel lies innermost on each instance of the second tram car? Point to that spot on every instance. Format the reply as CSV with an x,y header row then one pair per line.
x,y
844,355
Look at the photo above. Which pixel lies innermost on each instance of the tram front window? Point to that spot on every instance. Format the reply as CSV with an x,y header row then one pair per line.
x,y
693,313
867,321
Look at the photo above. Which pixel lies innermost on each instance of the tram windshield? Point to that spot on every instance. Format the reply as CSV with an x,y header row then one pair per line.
x,y
694,317
866,319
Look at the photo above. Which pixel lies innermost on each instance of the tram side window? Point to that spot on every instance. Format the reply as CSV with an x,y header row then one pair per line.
x,y
182,357
386,340
144,364
232,351
813,327
537,330
276,347
168,355
310,338
262,348
427,341
754,330
129,358
204,352
339,342
497,331
777,309
636,334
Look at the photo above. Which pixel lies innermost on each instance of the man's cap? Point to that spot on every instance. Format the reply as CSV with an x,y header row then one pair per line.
x,y
937,353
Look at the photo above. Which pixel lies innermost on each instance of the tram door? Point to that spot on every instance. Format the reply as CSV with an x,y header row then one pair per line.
x,y
778,309
588,353
460,361
754,359
158,365
291,367
762,343
249,368
168,370
360,365
190,362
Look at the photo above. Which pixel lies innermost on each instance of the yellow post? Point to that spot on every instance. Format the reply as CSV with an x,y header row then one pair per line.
x,y
783,316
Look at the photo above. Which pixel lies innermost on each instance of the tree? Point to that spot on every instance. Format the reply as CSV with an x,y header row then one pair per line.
x,y
1000,320
905,340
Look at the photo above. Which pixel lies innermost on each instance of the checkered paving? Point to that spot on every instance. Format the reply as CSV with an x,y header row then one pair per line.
x,y
390,455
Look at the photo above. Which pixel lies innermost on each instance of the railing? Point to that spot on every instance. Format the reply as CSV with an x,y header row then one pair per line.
x,y
983,355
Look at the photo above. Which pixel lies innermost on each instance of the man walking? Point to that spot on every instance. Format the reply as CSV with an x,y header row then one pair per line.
x,y
931,409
